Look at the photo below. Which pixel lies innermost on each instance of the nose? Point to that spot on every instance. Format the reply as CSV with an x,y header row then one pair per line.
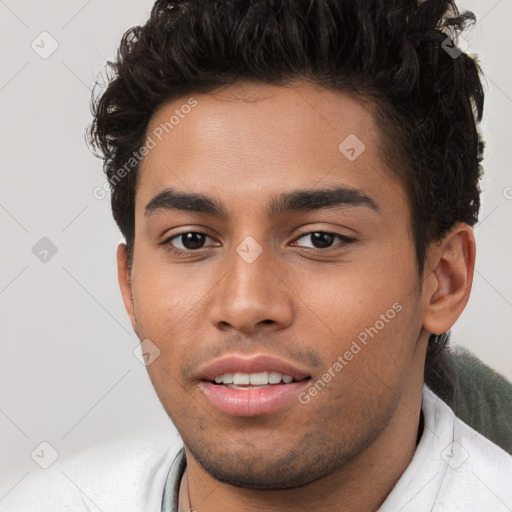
x,y
252,295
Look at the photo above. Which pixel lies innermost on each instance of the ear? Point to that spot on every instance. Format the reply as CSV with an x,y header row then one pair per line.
x,y
452,263
124,278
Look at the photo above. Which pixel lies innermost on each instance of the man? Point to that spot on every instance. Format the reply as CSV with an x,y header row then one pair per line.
x,y
296,183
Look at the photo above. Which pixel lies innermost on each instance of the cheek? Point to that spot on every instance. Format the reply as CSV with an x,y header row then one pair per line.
x,y
368,313
167,297
352,297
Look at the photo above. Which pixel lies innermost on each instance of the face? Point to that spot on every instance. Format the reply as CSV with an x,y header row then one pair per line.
x,y
296,262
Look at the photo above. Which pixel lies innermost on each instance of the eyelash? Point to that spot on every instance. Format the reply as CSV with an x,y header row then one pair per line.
x,y
169,247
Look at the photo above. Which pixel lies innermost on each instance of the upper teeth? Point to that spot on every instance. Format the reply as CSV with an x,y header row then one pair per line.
x,y
253,378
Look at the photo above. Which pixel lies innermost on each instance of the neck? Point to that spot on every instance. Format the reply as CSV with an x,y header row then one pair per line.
x,y
360,486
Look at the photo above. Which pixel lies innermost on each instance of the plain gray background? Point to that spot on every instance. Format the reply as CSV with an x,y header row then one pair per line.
x,y
69,375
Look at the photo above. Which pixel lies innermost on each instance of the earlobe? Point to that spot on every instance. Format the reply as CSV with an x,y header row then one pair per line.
x,y
452,275
124,279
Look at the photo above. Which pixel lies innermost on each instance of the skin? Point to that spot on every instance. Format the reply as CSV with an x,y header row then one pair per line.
x,y
244,145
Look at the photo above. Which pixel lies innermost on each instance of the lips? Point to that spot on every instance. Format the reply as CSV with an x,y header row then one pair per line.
x,y
251,386
251,365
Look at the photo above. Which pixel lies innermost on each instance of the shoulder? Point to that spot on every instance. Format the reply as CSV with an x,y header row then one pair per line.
x,y
476,473
127,475
454,468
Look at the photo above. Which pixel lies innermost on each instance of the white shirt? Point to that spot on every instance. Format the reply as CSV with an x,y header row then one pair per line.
x,y
454,469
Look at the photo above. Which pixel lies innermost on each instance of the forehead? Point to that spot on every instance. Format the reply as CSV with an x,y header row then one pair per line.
x,y
249,141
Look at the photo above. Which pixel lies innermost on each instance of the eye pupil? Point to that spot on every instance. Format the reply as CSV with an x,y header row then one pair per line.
x,y
321,239
192,240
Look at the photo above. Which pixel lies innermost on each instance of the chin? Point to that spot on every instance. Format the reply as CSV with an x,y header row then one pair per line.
x,y
297,468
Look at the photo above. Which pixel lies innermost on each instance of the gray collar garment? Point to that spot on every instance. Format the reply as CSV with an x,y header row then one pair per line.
x,y
172,484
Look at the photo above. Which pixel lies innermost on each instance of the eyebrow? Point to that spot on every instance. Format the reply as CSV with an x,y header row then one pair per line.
x,y
287,202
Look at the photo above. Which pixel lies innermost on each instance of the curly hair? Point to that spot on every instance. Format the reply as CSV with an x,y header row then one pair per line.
x,y
400,56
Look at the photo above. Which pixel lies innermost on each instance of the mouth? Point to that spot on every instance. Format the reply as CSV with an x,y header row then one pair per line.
x,y
240,386
260,380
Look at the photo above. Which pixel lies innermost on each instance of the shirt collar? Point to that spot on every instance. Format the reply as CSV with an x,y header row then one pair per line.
x,y
172,484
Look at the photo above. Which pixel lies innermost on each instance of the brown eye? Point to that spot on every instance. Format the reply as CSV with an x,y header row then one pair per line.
x,y
187,242
192,240
324,239
321,240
